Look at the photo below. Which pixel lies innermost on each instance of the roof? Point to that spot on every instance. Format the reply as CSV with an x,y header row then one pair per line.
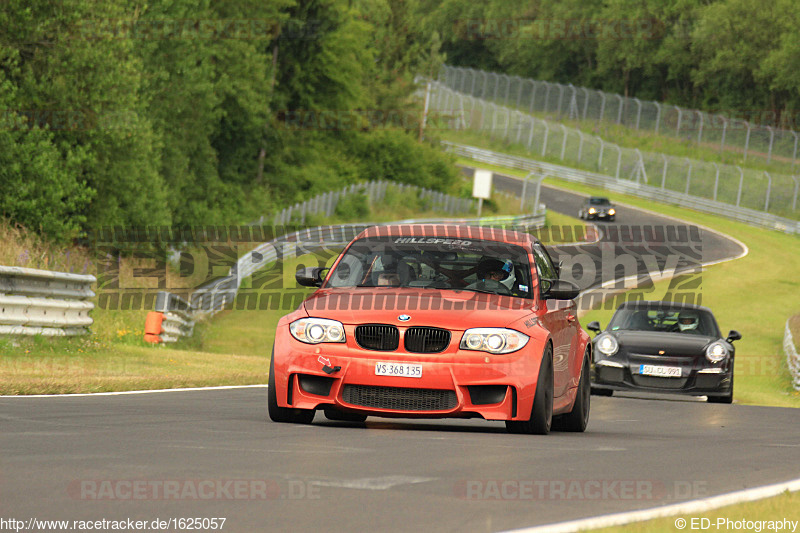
x,y
451,231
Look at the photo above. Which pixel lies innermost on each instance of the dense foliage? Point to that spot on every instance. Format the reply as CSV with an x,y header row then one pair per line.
x,y
209,111
738,57
186,111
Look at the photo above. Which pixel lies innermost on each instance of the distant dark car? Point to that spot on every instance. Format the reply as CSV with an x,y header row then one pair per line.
x,y
663,347
597,207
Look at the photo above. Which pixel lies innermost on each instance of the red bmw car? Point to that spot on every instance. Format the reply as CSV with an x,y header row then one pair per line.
x,y
435,321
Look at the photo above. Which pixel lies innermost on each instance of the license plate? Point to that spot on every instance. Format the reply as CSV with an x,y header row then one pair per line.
x,y
660,371
403,370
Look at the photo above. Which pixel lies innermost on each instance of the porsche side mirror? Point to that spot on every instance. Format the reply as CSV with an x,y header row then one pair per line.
x,y
560,290
310,277
594,325
733,336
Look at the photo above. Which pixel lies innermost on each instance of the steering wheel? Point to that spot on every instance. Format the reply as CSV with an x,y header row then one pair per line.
x,y
489,285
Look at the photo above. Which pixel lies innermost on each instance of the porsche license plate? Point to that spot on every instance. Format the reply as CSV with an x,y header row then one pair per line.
x,y
403,370
660,371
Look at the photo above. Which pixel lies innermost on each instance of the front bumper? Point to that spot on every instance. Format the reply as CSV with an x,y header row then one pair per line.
x,y
600,215
710,381
454,383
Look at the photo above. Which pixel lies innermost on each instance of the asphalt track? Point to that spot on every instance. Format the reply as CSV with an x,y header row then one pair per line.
x,y
77,458
214,453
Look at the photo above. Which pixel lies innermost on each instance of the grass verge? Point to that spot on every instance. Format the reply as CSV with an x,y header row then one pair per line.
x,y
785,506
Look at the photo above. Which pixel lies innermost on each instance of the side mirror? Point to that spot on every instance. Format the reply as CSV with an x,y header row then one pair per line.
x,y
310,277
733,336
560,290
594,325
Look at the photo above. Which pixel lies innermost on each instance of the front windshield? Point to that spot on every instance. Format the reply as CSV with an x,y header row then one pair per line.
x,y
677,320
599,201
434,263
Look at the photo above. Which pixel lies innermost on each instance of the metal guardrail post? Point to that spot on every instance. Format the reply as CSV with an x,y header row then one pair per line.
x,y
43,302
792,356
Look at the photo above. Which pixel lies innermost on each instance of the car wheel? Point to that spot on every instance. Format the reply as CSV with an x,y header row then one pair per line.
x,y
284,414
541,418
342,416
728,398
602,392
577,419
580,215
611,219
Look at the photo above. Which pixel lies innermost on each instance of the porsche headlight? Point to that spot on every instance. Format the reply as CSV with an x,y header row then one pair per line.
x,y
716,352
612,211
493,340
592,210
317,330
607,345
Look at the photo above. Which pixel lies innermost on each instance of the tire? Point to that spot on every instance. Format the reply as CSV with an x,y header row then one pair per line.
x,y
577,419
580,215
541,418
342,416
728,398
603,392
284,414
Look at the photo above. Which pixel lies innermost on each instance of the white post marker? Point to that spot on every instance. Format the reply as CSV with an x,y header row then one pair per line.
x,y
482,187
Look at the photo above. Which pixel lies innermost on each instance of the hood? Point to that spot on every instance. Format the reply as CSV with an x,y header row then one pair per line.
x,y
441,308
650,342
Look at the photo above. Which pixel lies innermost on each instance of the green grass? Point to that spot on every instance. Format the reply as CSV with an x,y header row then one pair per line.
x,y
82,365
785,506
702,177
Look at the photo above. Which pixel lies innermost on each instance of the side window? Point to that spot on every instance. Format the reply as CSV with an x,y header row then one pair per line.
x,y
543,263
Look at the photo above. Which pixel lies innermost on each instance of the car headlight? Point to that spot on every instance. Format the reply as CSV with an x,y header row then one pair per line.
x,y
317,330
612,211
607,345
493,340
592,210
716,352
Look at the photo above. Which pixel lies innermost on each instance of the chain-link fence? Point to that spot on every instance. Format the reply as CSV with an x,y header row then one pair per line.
x,y
758,190
765,140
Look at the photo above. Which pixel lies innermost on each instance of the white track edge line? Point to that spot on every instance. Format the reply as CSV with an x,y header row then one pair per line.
x,y
128,392
685,508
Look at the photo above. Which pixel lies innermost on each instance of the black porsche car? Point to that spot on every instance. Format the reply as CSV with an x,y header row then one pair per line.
x,y
663,347
597,207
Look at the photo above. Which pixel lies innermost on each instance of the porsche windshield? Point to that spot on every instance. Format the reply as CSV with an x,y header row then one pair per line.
x,y
435,263
678,320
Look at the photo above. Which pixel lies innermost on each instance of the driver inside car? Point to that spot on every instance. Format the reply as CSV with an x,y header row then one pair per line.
x,y
491,271
688,322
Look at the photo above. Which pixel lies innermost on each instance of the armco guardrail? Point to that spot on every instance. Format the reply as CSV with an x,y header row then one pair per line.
x,y
792,357
632,188
41,302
